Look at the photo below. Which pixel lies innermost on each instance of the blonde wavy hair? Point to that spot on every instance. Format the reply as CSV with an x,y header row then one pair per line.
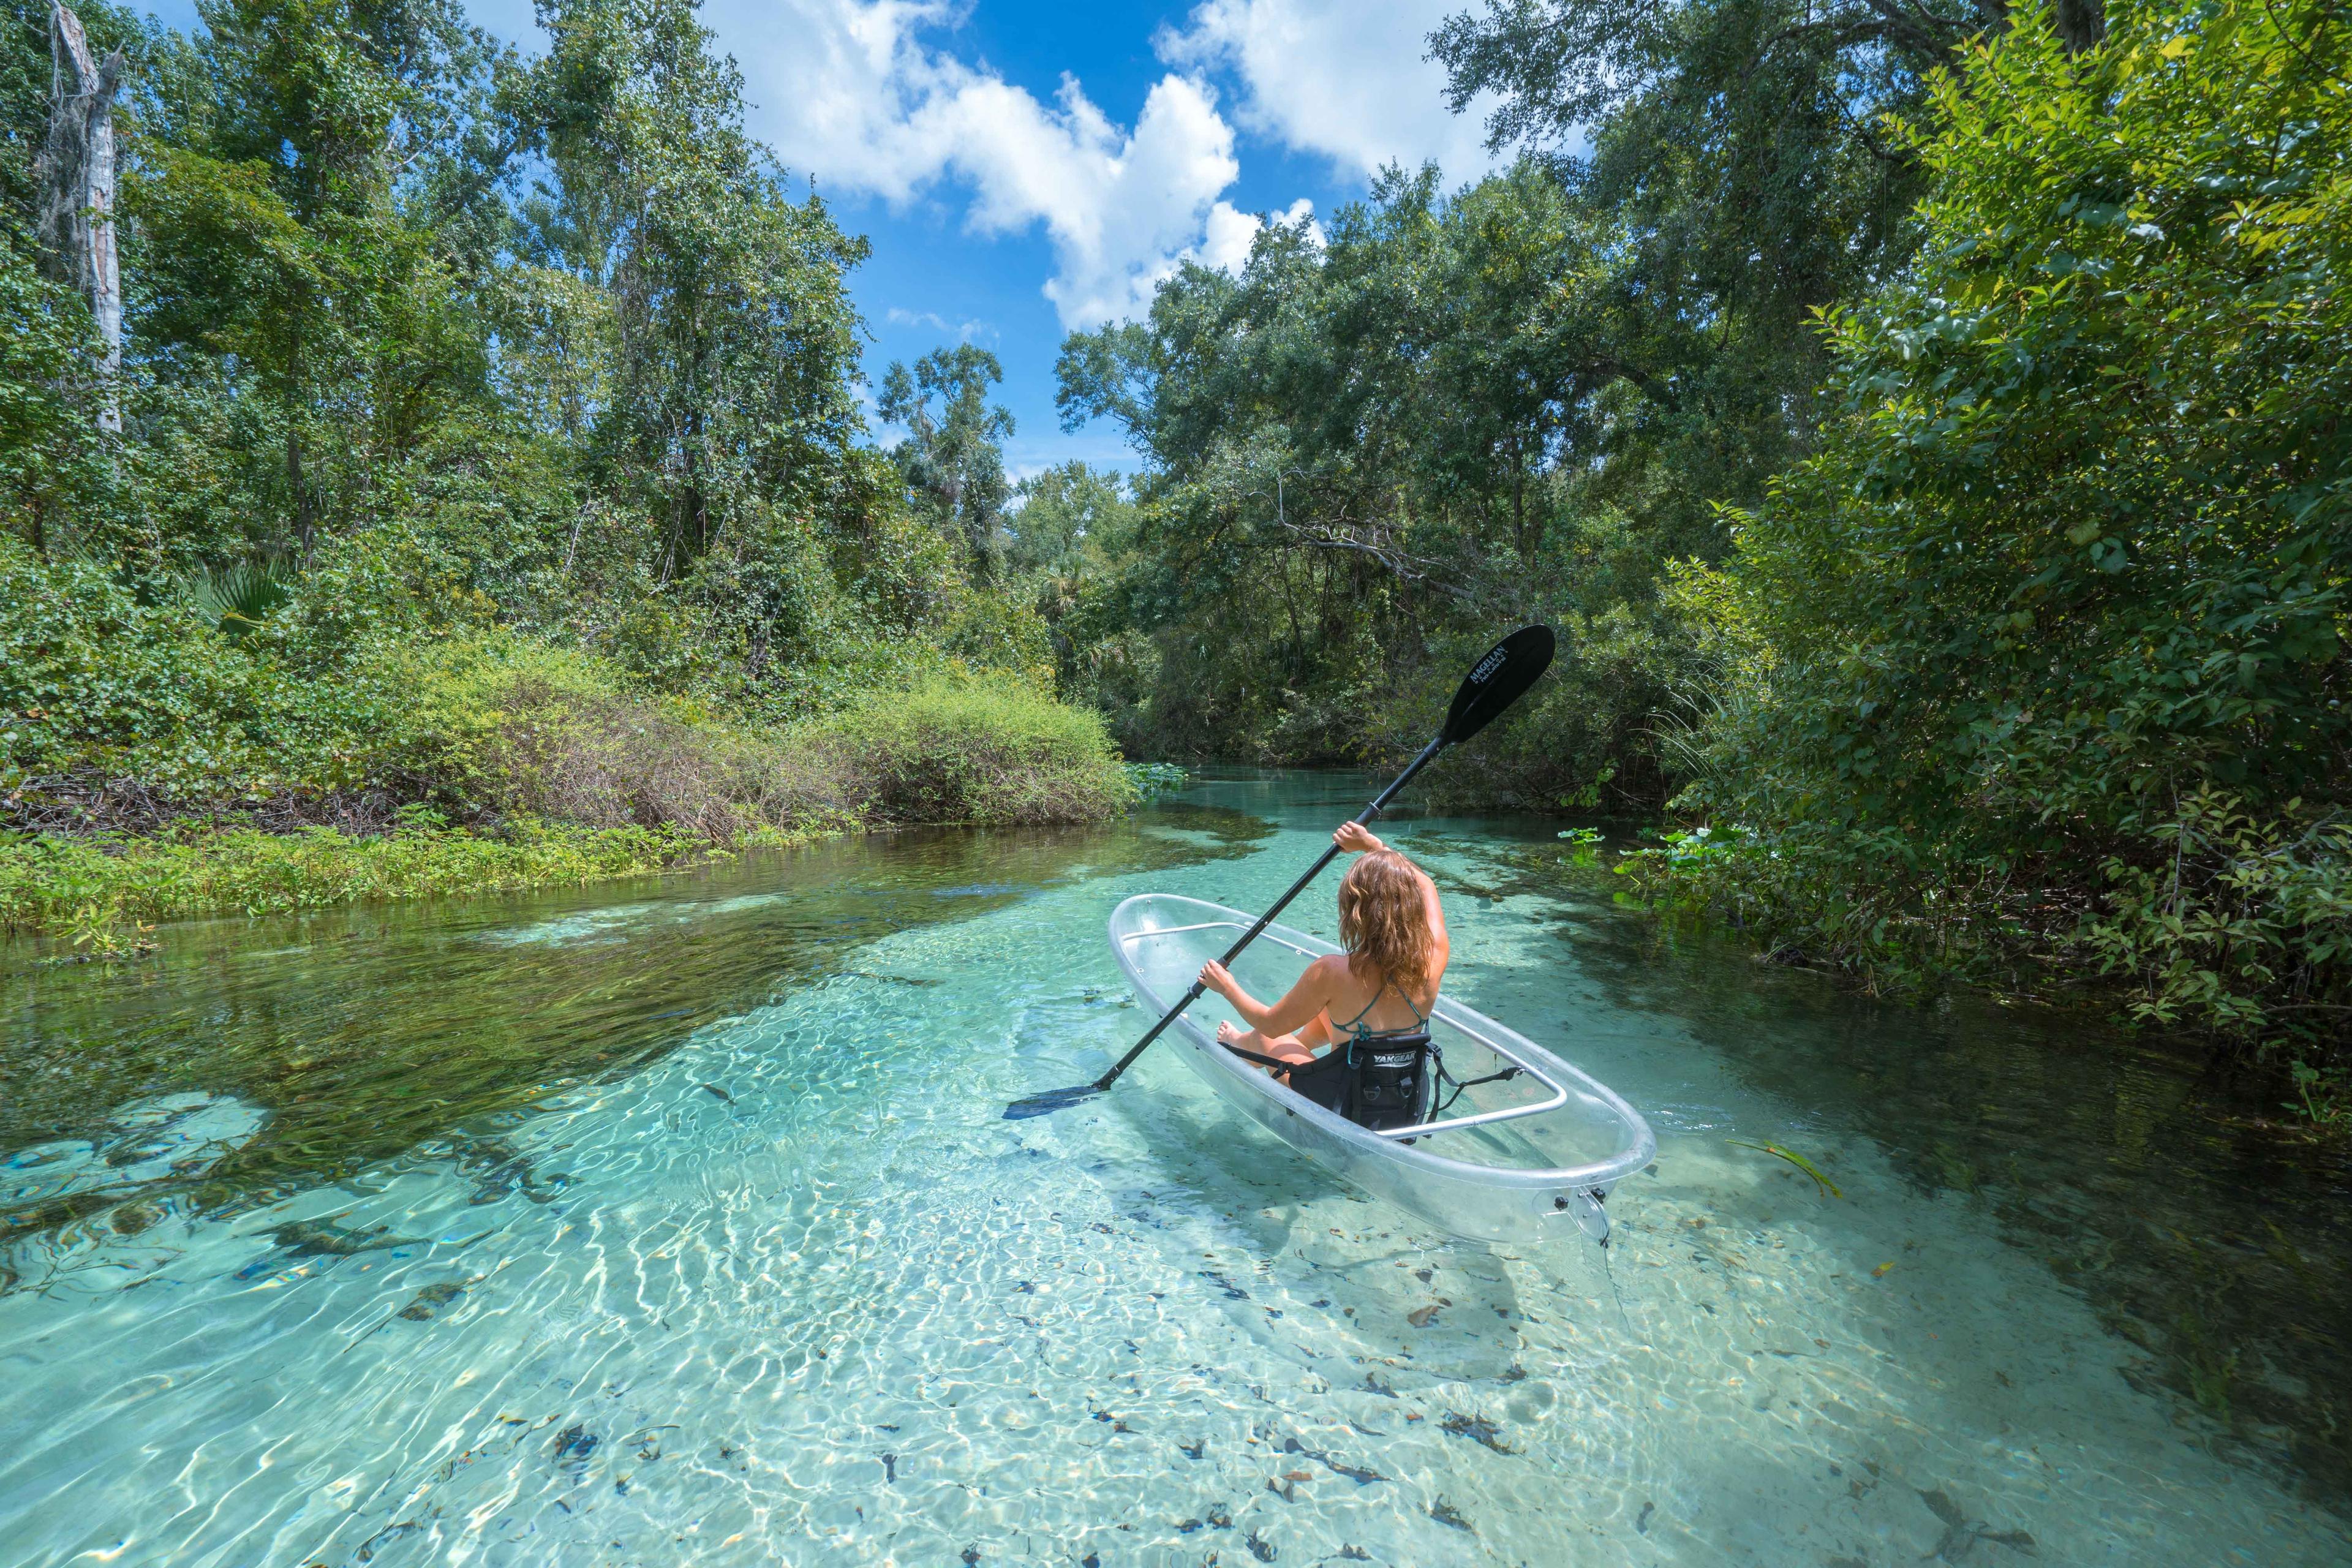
x,y
1382,920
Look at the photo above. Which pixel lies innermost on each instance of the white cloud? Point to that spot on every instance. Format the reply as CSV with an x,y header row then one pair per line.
x,y
1339,78
962,331
852,91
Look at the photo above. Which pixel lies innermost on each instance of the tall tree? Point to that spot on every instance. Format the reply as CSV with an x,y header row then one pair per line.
x,y
1740,149
2047,644
280,242
952,460
734,336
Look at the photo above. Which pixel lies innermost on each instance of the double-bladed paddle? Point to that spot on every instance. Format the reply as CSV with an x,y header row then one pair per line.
x,y
1493,683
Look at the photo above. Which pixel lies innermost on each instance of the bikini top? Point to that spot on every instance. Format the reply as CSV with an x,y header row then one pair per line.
x,y
1363,1031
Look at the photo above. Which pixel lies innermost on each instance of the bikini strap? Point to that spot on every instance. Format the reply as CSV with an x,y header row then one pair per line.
x,y
1360,1027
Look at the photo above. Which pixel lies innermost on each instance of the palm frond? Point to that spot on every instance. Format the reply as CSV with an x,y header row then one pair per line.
x,y
237,598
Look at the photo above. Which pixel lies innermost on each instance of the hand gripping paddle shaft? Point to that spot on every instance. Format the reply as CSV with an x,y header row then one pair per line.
x,y
1493,683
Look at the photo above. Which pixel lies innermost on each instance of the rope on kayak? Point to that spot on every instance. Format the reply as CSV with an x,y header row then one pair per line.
x,y
1444,1078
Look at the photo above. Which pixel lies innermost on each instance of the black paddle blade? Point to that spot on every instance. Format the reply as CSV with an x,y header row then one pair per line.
x,y
1497,680
1052,1099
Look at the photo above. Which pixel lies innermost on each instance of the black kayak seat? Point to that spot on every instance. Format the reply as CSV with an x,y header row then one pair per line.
x,y
1377,1081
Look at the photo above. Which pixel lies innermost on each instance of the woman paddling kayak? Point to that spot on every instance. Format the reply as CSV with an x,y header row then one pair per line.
x,y
1384,985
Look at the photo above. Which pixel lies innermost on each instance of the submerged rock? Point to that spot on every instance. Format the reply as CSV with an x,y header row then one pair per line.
x,y
325,1239
1447,1514
422,1307
500,1170
574,1444
1477,1428
1961,1534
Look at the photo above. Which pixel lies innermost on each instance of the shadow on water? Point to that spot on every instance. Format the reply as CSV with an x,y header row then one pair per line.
x,y
249,1058
1425,1307
2154,1179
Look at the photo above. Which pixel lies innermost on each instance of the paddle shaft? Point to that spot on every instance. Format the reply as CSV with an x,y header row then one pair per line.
x,y
1428,754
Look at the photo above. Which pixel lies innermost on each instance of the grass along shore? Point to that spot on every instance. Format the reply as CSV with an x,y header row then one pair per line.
x,y
107,893
537,772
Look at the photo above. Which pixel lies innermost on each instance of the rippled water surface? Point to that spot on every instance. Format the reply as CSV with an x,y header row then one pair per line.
x,y
675,1222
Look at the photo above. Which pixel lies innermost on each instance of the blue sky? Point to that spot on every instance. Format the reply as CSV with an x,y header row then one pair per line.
x,y
1026,168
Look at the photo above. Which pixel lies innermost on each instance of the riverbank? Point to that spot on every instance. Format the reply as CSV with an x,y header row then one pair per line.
x,y
2239,958
515,767
106,894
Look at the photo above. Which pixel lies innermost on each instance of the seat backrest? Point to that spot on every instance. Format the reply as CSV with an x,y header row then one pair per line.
x,y
1380,1082
1392,1081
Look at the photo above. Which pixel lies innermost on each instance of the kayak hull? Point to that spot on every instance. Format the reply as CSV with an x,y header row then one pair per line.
x,y
1533,1159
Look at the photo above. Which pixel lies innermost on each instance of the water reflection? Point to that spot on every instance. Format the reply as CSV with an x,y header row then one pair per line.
x,y
2145,1172
346,1037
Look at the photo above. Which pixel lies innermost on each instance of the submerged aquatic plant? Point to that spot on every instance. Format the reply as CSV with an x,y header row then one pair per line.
x,y
1152,780
1794,1158
99,930
2322,1097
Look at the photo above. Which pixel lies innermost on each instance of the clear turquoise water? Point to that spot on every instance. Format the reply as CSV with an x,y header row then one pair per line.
x,y
677,1223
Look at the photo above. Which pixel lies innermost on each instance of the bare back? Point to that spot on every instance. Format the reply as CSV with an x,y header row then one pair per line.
x,y
1361,994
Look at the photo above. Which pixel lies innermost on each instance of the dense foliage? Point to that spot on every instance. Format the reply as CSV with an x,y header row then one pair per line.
x,y
492,448
1923,423
1455,410
2044,653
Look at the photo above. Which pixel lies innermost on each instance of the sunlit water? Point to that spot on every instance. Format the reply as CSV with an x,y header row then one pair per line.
x,y
677,1223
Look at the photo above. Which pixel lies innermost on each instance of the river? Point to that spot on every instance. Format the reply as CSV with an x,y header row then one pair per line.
x,y
676,1222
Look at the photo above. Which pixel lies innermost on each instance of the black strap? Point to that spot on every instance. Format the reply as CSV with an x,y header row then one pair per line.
x,y
1436,1058
1262,1061
1444,1078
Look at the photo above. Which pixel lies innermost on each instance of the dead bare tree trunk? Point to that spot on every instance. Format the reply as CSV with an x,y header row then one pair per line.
x,y
76,178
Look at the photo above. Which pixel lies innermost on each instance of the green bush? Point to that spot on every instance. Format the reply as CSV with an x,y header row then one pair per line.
x,y
995,751
347,688
2223,919
125,704
502,726
92,678
2039,663
106,675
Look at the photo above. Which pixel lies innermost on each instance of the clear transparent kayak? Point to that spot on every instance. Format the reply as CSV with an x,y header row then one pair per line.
x,y
1530,1157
